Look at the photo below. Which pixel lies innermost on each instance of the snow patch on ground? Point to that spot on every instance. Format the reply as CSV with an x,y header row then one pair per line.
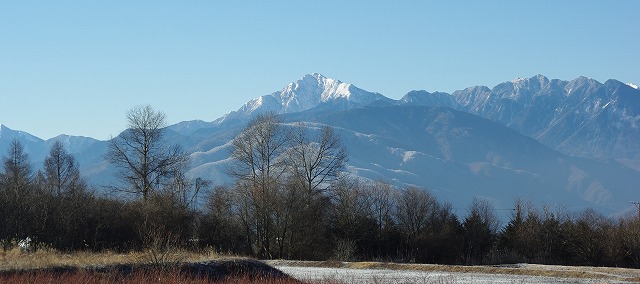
x,y
348,275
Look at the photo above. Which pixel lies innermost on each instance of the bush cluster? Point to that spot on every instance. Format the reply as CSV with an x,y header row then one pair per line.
x,y
348,220
374,221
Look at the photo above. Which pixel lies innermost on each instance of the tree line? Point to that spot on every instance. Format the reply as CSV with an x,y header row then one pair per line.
x,y
291,199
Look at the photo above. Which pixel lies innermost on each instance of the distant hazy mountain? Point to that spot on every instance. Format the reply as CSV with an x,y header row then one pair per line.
x,y
33,145
424,98
552,141
88,152
7,135
461,155
581,117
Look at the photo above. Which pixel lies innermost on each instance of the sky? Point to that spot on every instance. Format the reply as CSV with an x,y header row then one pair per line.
x,y
76,67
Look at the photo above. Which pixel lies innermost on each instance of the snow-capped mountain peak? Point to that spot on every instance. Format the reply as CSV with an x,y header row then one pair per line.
x,y
318,86
518,80
435,140
306,93
632,85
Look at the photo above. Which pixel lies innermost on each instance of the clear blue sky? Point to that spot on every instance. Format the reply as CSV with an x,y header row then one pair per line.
x,y
76,67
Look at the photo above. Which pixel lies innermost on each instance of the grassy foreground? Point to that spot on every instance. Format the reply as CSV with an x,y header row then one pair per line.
x,y
44,267
162,277
139,267
17,260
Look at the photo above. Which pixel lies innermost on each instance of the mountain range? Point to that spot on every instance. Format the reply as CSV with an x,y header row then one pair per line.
x,y
570,144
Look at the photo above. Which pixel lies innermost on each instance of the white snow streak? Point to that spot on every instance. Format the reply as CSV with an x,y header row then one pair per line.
x,y
353,276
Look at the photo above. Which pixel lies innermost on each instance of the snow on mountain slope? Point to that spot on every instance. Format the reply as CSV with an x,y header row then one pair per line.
x,y
459,155
582,117
424,98
304,94
189,127
456,154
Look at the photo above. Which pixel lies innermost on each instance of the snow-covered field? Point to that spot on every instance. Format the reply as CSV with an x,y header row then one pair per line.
x,y
347,275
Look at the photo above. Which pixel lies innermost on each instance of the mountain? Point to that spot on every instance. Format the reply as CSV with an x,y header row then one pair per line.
x,y
456,155
189,127
89,152
459,155
564,143
309,92
424,98
581,117
7,135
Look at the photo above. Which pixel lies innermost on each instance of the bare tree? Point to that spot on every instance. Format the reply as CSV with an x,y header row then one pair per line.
x,y
480,230
141,154
382,195
220,225
353,219
61,170
415,209
589,235
15,192
258,167
256,152
315,160
184,189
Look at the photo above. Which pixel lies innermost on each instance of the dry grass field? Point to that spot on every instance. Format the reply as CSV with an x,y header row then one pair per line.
x,y
138,267
160,277
16,260
44,267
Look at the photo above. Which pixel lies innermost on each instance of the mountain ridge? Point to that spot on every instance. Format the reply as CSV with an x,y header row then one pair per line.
x,y
304,94
565,115
477,137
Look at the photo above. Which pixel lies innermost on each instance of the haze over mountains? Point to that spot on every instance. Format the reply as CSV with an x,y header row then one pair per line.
x,y
573,144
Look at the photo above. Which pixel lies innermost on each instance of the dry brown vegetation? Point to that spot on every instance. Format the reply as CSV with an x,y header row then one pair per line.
x,y
163,277
32,268
287,212
15,259
136,267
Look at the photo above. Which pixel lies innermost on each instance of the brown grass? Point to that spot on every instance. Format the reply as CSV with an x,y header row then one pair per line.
x,y
87,267
162,277
16,260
